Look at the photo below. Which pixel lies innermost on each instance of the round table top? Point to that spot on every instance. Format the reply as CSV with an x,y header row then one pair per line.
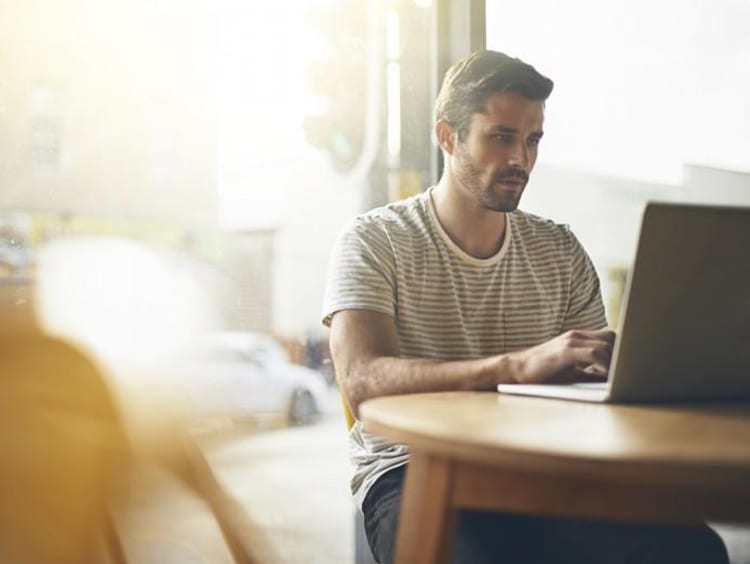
x,y
552,434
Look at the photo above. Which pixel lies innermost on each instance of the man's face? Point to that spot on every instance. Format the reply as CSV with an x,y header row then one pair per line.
x,y
494,160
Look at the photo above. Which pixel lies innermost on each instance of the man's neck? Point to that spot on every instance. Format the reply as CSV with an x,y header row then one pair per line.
x,y
476,230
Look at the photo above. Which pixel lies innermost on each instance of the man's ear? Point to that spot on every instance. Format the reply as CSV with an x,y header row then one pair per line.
x,y
446,136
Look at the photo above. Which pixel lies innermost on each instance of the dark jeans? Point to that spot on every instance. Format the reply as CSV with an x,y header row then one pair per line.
x,y
495,538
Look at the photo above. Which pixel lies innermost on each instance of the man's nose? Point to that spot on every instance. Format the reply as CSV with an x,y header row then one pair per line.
x,y
519,156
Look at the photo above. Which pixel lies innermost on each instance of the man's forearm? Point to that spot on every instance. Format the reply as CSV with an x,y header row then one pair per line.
x,y
382,376
368,361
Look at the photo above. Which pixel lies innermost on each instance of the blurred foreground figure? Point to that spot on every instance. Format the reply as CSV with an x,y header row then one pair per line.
x,y
62,449
65,452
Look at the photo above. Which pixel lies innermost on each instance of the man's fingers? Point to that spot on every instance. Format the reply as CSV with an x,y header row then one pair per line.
x,y
604,335
577,354
591,351
602,353
594,354
589,373
594,372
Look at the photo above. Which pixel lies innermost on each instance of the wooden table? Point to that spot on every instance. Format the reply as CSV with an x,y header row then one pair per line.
x,y
483,450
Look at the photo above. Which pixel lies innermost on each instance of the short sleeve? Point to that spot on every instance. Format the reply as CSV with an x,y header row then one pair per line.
x,y
585,306
361,271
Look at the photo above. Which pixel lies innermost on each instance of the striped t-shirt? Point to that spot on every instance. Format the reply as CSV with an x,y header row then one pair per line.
x,y
448,305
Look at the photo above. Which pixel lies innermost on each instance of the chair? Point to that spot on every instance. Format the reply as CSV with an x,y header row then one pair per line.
x,y
62,449
64,452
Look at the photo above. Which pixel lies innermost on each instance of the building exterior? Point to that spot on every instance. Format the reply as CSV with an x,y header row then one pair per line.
x,y
99,115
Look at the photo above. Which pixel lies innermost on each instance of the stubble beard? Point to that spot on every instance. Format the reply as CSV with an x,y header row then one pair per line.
x,y
490,196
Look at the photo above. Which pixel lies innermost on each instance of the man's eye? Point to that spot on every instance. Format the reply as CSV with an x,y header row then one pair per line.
x,y
504,138
534,141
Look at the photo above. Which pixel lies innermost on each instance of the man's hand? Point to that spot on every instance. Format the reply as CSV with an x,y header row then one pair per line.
x,y
574,355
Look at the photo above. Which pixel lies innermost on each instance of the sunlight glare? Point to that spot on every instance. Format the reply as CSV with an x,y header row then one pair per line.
x,y
136,309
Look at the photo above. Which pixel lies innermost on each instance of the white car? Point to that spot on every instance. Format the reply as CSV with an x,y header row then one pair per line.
x,y
248,375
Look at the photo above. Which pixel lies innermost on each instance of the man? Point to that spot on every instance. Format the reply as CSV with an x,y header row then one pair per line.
x,y
457,289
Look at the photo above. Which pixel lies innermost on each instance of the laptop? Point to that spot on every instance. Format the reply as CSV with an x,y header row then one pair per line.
x,y
684,333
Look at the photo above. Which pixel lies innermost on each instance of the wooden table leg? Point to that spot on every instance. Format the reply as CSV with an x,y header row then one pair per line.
x,y
427,521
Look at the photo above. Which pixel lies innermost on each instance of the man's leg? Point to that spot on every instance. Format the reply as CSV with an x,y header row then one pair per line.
x,y
381,507
481,537
579,541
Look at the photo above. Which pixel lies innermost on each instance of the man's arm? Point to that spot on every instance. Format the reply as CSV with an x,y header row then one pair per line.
x,y
366,355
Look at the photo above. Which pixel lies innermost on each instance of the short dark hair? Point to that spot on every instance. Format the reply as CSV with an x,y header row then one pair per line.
x,y
471,81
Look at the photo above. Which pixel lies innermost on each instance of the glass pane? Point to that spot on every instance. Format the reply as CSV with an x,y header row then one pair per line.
x,y
650,103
